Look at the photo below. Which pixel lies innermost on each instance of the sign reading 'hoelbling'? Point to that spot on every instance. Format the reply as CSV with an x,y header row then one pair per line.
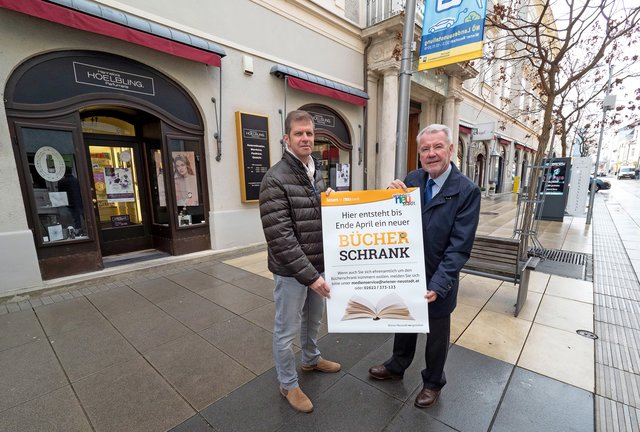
x,y
110,78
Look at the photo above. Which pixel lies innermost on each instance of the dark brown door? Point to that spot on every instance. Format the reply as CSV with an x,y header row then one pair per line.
x,y
412,148
118,181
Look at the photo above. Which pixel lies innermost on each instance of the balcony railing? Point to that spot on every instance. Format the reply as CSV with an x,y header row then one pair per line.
x,y
380,10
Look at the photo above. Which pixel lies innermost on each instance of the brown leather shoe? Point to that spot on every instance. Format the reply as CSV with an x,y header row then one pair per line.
x,y
323,366
297,399
382,373
426,398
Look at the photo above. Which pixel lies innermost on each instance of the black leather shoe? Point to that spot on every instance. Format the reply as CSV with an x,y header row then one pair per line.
x,y
382,373
427,397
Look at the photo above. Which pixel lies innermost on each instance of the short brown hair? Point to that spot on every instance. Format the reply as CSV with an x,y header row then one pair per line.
x,y
296,116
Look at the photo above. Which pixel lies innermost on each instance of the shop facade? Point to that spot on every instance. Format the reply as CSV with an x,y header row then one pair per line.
x,y
113,145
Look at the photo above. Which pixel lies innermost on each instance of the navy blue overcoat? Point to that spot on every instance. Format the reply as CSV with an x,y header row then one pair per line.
x,y
449,225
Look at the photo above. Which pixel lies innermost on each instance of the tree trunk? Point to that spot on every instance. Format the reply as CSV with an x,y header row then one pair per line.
x,y
530,206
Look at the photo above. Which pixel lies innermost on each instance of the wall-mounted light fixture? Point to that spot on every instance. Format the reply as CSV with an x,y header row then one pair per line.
x,y
247,65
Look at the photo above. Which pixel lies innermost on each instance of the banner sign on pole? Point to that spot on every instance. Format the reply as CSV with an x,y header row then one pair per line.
x,y
374,262
452,32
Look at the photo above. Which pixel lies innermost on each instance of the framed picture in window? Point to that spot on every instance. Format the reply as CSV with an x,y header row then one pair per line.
x,y
184,220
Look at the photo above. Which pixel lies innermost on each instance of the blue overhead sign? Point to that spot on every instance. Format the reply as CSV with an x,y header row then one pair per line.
x,y
452,31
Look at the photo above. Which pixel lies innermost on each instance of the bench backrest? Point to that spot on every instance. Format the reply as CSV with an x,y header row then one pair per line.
x,y
495,255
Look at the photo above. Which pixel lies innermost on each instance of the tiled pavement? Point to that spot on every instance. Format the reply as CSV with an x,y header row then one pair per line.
x,y
187,347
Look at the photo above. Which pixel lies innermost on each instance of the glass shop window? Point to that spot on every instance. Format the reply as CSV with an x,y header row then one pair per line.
x,y
186,171
54,182
158,190
335,164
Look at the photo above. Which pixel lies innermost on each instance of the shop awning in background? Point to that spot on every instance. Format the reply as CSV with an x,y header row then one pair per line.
x,y
464,129
97,18
300,80
524,147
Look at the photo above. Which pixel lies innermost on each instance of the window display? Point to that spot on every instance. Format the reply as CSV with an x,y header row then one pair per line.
x,y
55,186
185,158
158,189
116,186
185,178
335,165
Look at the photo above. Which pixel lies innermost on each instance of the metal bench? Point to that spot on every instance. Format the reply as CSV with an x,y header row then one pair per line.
x,y
497,258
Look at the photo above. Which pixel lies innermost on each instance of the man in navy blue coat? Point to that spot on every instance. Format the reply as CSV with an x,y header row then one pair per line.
x,y
450,213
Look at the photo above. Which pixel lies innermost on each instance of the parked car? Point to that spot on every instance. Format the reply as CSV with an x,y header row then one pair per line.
x,y
626,172
600,184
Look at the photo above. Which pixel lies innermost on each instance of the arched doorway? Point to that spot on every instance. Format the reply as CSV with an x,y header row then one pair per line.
x,y
523,175
478,176
514,169
501,170
97,146
461,151
332,145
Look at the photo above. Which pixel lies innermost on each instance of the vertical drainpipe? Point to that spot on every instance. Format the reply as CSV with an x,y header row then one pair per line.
x,y
365,113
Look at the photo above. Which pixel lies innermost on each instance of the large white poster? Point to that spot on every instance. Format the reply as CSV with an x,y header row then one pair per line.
x,y
119,183
374,262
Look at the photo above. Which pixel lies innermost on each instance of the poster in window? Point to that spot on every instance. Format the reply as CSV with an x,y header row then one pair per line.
x,y
119,184
342,176
49,163
185,178
55,232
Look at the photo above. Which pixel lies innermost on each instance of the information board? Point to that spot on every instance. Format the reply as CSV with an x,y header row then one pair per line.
x,y
252,132
554,189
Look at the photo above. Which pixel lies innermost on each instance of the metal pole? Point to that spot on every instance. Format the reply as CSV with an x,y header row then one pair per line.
x,y
405,90
592,193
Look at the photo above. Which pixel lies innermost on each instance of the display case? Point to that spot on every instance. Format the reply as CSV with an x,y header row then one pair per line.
x,y
335,164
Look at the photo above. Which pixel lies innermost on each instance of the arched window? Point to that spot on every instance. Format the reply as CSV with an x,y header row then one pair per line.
x,y
332,146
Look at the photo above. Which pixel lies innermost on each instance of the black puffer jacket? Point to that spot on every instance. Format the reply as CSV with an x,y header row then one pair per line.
x,y
290,213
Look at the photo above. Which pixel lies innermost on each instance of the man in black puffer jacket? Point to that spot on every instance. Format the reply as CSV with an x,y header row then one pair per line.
x,y
290,213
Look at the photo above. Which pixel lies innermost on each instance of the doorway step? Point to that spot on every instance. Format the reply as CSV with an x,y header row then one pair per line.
x,y
132,257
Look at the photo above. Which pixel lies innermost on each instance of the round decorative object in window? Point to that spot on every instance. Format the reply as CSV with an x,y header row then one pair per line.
x,y
125,156
49,163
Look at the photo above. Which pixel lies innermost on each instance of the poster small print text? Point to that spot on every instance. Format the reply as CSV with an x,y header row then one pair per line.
x,y
374,262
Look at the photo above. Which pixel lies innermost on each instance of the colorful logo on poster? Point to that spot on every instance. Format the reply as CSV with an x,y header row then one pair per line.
x,y
403,199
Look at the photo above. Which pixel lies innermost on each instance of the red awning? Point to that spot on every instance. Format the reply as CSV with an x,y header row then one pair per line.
x,y
504,141
315,84
464,129
310,87
207,53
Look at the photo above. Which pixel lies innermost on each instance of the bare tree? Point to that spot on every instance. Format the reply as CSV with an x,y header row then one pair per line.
x,y
575,108
598,31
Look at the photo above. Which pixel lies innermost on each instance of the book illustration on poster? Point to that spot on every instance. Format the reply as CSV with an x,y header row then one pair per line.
x,y
388,307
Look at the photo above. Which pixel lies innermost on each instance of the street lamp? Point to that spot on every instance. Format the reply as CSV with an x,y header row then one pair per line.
x,y
608,103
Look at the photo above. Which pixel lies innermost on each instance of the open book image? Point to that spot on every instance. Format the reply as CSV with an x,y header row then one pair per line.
x,y
390,307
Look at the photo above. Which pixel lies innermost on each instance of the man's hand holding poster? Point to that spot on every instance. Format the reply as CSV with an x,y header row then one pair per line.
x,y
374,262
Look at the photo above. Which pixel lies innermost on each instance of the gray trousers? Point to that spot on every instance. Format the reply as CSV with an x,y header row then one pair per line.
x,y
298,309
